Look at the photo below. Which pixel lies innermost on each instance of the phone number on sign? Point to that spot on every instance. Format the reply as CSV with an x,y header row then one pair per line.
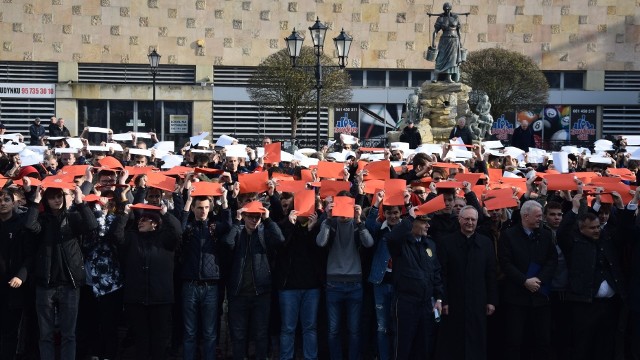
x,y
37,91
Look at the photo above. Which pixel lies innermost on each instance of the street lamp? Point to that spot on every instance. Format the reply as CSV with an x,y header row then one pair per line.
x,y
154,61
318,32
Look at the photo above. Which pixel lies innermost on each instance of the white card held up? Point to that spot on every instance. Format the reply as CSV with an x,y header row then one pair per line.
x,y
225,140
197,138
632,140
171,161
75,143
143,135
28,157
11,137
348,139
239,151
165,145
66,151
600,160
38,149
114,146
286,157
122,137
97,148
94,129
429,149
201,151
203,143
136,151
13,148
561,161
492,144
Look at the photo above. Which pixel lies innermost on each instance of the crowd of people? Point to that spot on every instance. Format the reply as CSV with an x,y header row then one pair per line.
x,y
454,251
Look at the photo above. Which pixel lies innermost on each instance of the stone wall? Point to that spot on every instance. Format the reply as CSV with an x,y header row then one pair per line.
x,y
557,34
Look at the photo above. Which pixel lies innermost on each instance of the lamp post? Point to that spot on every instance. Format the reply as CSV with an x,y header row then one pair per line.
x,y
318,31
154,61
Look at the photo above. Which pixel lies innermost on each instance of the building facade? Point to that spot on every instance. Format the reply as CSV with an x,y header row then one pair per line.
x,y
86,61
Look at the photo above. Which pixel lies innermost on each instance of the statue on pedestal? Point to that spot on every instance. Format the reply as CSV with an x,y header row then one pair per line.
x,y
449,53
482,127
414,110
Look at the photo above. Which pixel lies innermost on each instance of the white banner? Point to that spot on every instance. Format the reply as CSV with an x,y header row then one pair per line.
x,y
28,91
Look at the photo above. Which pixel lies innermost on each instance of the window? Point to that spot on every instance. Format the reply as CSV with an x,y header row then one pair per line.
x,y
398,79
419,77
553,78
357,77
573,80
376,78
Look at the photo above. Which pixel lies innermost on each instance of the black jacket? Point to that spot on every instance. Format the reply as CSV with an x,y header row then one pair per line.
x,y
257,245
523,139
299,259
60,235
581,255
36,132
464,134
416,269
519,256
200,248
148,260
16,258
411,136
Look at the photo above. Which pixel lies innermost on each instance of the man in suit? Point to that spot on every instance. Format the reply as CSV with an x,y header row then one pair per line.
x,y
528,258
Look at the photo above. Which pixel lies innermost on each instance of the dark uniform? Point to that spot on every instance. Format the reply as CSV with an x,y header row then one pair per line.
x,y
416,277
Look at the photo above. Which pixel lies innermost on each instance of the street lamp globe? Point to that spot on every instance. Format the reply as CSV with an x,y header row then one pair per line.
x,y
154,60
294,44
343,45
318,31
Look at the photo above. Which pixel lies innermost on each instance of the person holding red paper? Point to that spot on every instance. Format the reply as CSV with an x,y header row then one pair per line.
x,y
344,235
200,270
58,281
148,252
298,277
249,279
381,271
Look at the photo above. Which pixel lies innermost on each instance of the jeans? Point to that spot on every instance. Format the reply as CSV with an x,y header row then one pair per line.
x,y
151,329
98,320
66,299
245,310
200,301
344,296
299,304
383,295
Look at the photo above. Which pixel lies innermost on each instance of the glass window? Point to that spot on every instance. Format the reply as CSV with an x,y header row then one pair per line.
x,y
177,133
93,113
398,78
357,77
121,116
376,78
553,78
574,80
419,77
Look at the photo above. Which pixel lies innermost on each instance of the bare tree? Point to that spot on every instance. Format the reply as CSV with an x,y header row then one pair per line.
x,y
292,91
511,80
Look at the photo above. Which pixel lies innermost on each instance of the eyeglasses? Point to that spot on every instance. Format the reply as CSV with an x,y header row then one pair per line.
x,y
418,192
